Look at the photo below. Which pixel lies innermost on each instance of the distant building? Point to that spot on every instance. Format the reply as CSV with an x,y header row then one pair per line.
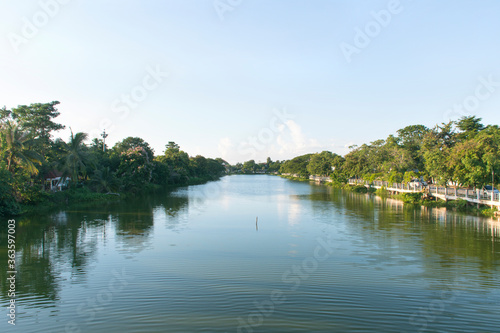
x,y
55,180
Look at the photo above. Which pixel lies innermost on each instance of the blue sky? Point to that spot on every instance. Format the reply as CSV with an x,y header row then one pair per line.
x,y
243,79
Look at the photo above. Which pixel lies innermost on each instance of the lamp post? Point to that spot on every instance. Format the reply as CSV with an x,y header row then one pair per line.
x,y
104,136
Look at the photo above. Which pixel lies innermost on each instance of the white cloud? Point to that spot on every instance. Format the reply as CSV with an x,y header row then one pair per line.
x,y
291,140
287,141
225,147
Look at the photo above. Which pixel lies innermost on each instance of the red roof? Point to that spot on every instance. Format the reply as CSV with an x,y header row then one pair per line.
x,y
53,174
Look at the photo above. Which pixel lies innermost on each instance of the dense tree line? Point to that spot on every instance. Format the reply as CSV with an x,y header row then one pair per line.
x,y
462,152
28,153
251,167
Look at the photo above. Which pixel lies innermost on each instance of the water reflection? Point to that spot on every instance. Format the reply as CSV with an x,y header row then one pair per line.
x,y
62,245
384,253
445,244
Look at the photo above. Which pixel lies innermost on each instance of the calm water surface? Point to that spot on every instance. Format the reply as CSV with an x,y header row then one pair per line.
x,y
195,260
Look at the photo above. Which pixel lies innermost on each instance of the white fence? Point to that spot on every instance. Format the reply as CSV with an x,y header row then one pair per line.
x,y
446,193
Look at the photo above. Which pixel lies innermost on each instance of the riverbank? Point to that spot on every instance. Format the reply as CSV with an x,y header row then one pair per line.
x,y
300,179
84,197
417,199
421,199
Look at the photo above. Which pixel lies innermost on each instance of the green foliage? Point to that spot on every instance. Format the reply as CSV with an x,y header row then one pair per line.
x,y
382,192
28,155
435,203
409,176
297,165
490,212
37,120
8,204
249,167
76,158
161,171
359,189
464,151
474,161
135,169
411,198
104,180
320,164
172,148
16,149
273,167
133,143
395,177
460,204
468,127
78,195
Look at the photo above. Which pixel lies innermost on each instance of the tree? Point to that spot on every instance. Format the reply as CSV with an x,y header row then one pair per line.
x,y
411,138
178,162
466,163
135,169
37,120
104,180
475,160
15,147
436,149
469,127
320,164
216,168
356,162
132,143
409,176
172,148
274,166
198,166
445,134
249,167
297,165
76,157
398,159
5,115
97,146
8,204
490,139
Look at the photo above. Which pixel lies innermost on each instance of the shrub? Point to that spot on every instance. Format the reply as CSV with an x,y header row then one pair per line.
x,y
8,204
460,204
489,211
382,192
412,198
359,189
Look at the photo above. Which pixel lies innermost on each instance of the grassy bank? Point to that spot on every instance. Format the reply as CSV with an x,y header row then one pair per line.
x,y
75,196
85,197
300,179
356,188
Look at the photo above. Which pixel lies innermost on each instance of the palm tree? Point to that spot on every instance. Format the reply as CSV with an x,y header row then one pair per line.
x,y
104,180
14,147
76,157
